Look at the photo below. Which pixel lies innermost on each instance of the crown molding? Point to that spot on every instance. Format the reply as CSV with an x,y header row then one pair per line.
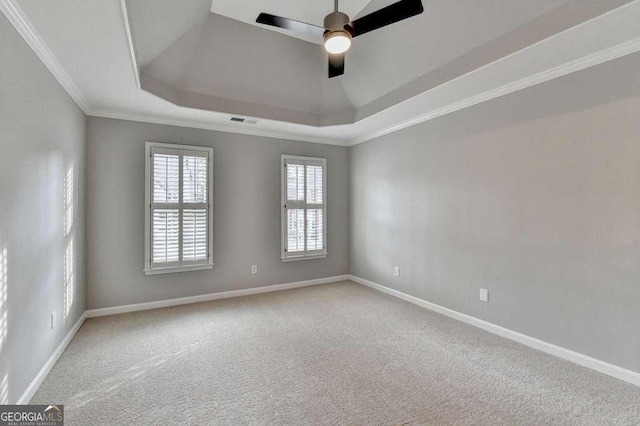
x,y
18,19
615,52
132,49
21,23
608,54
241,129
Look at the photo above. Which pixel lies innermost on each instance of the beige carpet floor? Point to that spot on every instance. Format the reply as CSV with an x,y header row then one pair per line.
x,y
330,354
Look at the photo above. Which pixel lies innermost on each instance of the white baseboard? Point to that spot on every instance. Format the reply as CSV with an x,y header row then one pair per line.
x,y
92,313
46,368
569,355
566,354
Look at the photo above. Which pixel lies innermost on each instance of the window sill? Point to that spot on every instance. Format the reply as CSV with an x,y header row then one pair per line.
x,y
297,258
176,269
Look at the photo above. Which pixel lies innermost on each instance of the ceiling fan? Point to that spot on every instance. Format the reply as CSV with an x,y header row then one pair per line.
x,y
339,30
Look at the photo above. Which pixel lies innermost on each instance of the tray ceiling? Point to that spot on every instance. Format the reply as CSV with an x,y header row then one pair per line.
x,y
177,62
226,62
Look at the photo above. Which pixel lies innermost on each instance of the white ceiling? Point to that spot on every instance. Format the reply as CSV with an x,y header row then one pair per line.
x,y
92,58
309,11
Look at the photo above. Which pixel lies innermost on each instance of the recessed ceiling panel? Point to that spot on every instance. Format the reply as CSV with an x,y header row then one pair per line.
x,y
247,67
310,11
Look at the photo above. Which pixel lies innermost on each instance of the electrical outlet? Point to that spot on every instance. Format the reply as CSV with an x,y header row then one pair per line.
x,y
54,316
484,295
396,271
254,269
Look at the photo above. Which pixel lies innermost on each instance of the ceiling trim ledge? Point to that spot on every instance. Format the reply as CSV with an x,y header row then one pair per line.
x,y
18,19
609,54
132,50
118,115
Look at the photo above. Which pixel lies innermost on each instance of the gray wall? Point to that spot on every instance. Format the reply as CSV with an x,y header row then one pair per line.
x,y
42,135
246,213
534,196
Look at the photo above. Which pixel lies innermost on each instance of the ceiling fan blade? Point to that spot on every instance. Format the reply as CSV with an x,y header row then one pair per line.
x,y
386,16
336,65
290,24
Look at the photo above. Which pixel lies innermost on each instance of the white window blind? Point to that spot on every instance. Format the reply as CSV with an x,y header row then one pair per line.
x,y
304,192
179,219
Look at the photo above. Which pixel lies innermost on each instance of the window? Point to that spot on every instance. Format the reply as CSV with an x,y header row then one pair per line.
x,y
178,225
304,208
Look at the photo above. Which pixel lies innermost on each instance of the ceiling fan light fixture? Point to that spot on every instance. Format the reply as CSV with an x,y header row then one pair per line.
x,y
337,42
338,29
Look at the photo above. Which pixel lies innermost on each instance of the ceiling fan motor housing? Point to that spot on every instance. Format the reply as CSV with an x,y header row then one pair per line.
x,y
336,21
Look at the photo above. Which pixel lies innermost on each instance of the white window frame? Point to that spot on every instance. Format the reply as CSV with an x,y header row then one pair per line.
x,y
184,266
306,255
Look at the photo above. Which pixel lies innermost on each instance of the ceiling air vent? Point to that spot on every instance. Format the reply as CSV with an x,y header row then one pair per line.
x,y
243,120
